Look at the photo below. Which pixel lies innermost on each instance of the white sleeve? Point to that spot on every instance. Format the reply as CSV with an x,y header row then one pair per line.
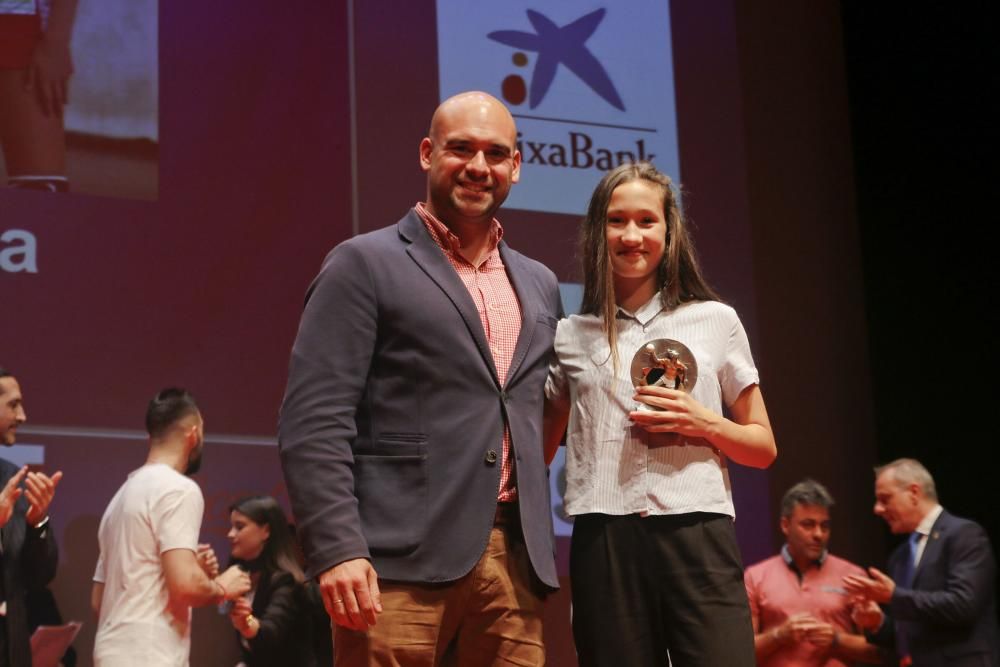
x,y
737,371
556,384
100,576
176,518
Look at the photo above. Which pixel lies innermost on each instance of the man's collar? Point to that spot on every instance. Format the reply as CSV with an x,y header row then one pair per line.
x,y
790,562
925,525
446,238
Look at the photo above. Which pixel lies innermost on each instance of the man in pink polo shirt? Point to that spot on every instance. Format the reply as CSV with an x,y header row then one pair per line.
x,y
801,612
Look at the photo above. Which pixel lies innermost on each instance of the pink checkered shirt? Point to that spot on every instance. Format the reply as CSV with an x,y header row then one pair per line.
x,y
499,312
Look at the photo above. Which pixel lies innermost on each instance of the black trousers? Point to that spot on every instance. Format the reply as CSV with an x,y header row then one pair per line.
x,y
648,587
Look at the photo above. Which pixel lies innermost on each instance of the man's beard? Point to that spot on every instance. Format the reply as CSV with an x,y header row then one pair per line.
x,y
194,462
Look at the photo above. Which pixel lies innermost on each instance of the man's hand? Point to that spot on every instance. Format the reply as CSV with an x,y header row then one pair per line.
x,y
351,595
39,489
820,634
207,560
867,615
234,581
879,587
795,630
11,492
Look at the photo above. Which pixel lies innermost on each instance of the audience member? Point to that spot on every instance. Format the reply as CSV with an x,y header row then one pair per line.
x,y
151,571
272,620
938,600
28,554
800,609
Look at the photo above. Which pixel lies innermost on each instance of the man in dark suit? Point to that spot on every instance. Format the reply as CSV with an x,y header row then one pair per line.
x,y
410,431
28,555
938,600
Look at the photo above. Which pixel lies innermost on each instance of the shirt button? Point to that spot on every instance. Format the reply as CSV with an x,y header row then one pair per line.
x,y
491,456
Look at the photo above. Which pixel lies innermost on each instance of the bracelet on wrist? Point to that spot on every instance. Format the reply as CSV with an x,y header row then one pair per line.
x,y
222,589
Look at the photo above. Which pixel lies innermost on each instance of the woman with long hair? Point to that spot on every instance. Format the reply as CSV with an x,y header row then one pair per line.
x,y
654,565
272,621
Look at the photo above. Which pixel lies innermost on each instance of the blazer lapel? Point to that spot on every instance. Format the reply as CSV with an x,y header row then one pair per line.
x,y
529,308
429,257
932,548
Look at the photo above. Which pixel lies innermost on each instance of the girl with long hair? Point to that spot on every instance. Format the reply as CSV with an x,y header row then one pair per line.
x,y
654,565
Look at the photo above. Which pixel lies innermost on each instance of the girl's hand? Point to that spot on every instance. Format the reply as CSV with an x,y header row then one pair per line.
x,y
678,412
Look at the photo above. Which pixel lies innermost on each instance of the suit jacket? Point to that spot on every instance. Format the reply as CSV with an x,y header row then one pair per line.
x,y
285,637
949,613
29,558
392,423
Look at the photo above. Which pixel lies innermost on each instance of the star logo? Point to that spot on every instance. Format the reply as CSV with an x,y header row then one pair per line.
x,y
556,46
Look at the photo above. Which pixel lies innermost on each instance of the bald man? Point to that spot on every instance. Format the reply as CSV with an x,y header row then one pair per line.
x,y
410,431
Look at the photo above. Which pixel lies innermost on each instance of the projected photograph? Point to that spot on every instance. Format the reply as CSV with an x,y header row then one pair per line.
x,y
79,97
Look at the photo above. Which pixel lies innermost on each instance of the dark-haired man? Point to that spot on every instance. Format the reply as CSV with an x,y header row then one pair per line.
x,y
801,612
150,572
28,555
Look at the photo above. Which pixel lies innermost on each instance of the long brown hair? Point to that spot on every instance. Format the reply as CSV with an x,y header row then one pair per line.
x,y
679,275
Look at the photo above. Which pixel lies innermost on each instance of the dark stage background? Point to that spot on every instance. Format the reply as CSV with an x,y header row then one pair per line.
x,y
924,137
854,257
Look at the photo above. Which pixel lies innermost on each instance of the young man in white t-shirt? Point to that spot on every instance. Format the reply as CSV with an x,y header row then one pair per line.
x,y
151,571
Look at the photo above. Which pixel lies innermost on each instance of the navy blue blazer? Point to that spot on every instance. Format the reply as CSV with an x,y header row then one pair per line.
x,y
949,613
392,423
29,558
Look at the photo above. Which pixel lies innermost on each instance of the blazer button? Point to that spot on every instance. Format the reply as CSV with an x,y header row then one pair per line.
x,y
491,456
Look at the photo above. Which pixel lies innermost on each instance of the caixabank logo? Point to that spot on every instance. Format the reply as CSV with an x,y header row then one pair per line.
x,y
590,84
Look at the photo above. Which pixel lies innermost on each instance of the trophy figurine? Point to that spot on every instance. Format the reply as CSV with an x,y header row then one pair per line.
x,y
664,362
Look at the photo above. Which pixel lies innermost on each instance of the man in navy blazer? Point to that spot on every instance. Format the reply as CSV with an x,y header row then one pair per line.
x,y
939,598
410,432
28,554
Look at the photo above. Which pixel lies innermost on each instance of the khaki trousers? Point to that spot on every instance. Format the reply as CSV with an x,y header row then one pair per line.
x,y
490,617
